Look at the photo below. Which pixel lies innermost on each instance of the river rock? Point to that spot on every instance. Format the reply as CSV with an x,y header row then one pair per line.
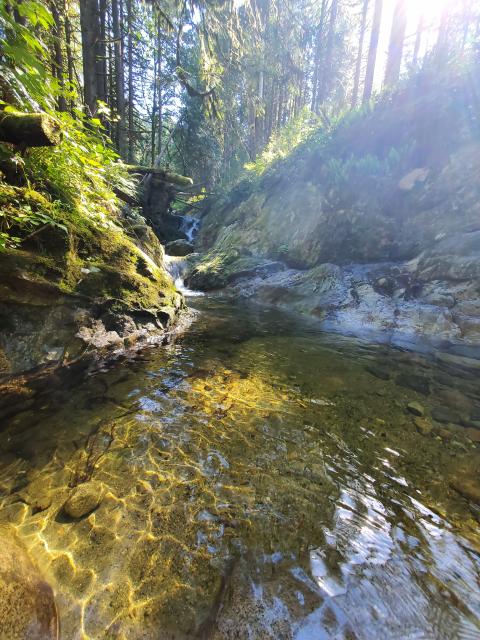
x,y
465,479
84,499
423,425
445,415
416,408
414,382
378,372
456,400
179,248
473,434
27,603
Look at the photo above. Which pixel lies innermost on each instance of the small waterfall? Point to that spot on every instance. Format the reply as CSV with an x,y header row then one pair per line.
x,y
176,265
190,227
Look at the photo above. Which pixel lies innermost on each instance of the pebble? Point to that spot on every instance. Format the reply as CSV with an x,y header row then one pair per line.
x,y
84,499
416,408
423,425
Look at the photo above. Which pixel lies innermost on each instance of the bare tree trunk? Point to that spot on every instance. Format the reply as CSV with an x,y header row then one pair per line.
x,y
259,117
130,80
442,42
119,77
68,47
153,120
111,74
358,66
324,88
397,40
318,56
159,88
373,50
418,39
90,33
102,53
58,56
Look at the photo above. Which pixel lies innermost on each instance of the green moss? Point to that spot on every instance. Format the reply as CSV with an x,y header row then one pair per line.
x,y
95,260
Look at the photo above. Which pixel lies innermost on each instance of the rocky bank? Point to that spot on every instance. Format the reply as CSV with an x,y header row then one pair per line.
x,y
374,228
94,288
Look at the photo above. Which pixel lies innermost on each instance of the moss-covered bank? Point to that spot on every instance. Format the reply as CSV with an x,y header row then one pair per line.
x,y
74,284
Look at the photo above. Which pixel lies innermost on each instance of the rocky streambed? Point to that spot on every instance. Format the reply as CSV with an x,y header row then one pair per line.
x,y
257,478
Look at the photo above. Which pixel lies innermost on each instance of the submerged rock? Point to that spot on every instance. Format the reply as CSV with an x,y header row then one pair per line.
x,y
378,372
445,415
414,382
27,603
423,425
84,499
416,408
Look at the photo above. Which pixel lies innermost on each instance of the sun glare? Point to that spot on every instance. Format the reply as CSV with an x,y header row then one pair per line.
x,y
430,9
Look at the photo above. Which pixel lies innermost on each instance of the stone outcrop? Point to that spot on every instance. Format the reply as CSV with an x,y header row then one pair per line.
x,y
390,250
94,290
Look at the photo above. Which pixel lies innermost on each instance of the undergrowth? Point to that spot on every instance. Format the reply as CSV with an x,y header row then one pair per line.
x,y
71,184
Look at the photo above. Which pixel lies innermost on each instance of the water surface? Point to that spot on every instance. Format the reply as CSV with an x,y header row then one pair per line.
x,y
263,481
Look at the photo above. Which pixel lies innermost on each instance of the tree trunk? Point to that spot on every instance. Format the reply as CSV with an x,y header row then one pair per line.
x,y
130,80
101,66
318,56
327,67
119,77
126,197
58,56
358,66
153,119
90,35
418,39
442,42
68,47
29,129
159,89
395,49
259,117
373,50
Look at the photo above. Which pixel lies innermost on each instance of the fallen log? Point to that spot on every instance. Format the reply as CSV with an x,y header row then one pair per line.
x,y
126,197
166,176
29,129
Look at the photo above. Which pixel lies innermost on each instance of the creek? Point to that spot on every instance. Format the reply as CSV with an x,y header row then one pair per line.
x,y
262,480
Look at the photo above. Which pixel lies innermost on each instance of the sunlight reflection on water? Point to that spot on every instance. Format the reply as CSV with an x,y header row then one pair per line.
x,y
260,483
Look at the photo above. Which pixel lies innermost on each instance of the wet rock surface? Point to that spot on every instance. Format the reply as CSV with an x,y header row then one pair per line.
x,y
179,248
399,273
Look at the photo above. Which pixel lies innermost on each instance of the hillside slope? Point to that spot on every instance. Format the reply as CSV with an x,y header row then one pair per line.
x,y
373,227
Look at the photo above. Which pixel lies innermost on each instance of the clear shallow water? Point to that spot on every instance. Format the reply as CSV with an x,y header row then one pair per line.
x,y
261,483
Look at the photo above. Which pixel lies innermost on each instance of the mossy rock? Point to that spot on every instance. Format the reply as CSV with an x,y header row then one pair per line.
x,y
67,275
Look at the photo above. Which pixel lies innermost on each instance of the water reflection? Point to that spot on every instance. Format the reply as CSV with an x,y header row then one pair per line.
x,y
260,482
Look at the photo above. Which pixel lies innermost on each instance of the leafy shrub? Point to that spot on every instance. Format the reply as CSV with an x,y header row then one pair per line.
x,y
282,143
79,175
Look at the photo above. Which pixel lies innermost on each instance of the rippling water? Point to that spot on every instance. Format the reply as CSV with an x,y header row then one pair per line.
x,y
263,481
